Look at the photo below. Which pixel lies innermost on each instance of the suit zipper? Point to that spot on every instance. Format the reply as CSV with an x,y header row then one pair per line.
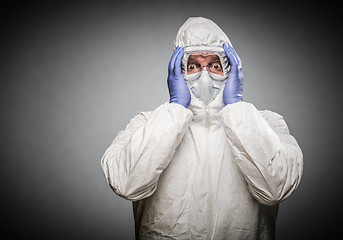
x,y
209,169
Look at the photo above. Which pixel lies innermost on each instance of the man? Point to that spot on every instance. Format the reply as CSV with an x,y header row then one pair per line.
x,y
205,165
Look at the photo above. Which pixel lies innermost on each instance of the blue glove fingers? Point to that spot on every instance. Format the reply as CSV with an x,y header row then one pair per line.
x,y
236,57
233,52
231,55
234,85
177,67
172,60
178,90
228,54
171,65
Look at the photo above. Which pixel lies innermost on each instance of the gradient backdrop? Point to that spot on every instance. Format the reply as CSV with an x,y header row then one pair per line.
x,y
73,74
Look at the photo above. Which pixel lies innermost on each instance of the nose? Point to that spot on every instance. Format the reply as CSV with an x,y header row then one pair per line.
x,y
204,68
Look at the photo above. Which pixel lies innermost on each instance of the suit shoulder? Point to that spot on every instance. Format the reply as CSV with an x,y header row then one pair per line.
x,y
275,120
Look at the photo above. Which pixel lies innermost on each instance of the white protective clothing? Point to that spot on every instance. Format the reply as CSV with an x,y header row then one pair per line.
x,y
206,172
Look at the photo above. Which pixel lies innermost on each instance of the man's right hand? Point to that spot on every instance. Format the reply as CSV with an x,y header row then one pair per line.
x,y
178,90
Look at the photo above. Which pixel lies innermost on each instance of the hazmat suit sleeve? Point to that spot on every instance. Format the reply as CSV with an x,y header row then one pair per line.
x,y
138,155
267,155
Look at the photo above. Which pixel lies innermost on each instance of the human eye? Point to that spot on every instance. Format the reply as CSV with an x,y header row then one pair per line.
x,y
216,66
192,67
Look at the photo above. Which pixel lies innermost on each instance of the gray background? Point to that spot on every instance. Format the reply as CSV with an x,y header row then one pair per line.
x,y
73,74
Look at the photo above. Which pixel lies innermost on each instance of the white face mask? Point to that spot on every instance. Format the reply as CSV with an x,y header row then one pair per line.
x,y
205,86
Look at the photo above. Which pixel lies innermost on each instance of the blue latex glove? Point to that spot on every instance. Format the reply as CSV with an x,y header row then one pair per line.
x,y
233,89
178,90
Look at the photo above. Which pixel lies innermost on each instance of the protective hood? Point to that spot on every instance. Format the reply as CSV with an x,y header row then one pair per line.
x,y
201,33
198,35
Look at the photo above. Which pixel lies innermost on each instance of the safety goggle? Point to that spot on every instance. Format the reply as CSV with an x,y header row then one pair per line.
x,y
217,64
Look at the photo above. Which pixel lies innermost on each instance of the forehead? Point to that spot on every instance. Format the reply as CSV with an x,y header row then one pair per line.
x,y
203,58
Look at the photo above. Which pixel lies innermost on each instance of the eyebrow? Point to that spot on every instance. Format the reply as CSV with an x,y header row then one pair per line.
x,y
213,59
191,58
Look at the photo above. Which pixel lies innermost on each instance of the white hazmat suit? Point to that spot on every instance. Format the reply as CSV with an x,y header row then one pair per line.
x,y
206,172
